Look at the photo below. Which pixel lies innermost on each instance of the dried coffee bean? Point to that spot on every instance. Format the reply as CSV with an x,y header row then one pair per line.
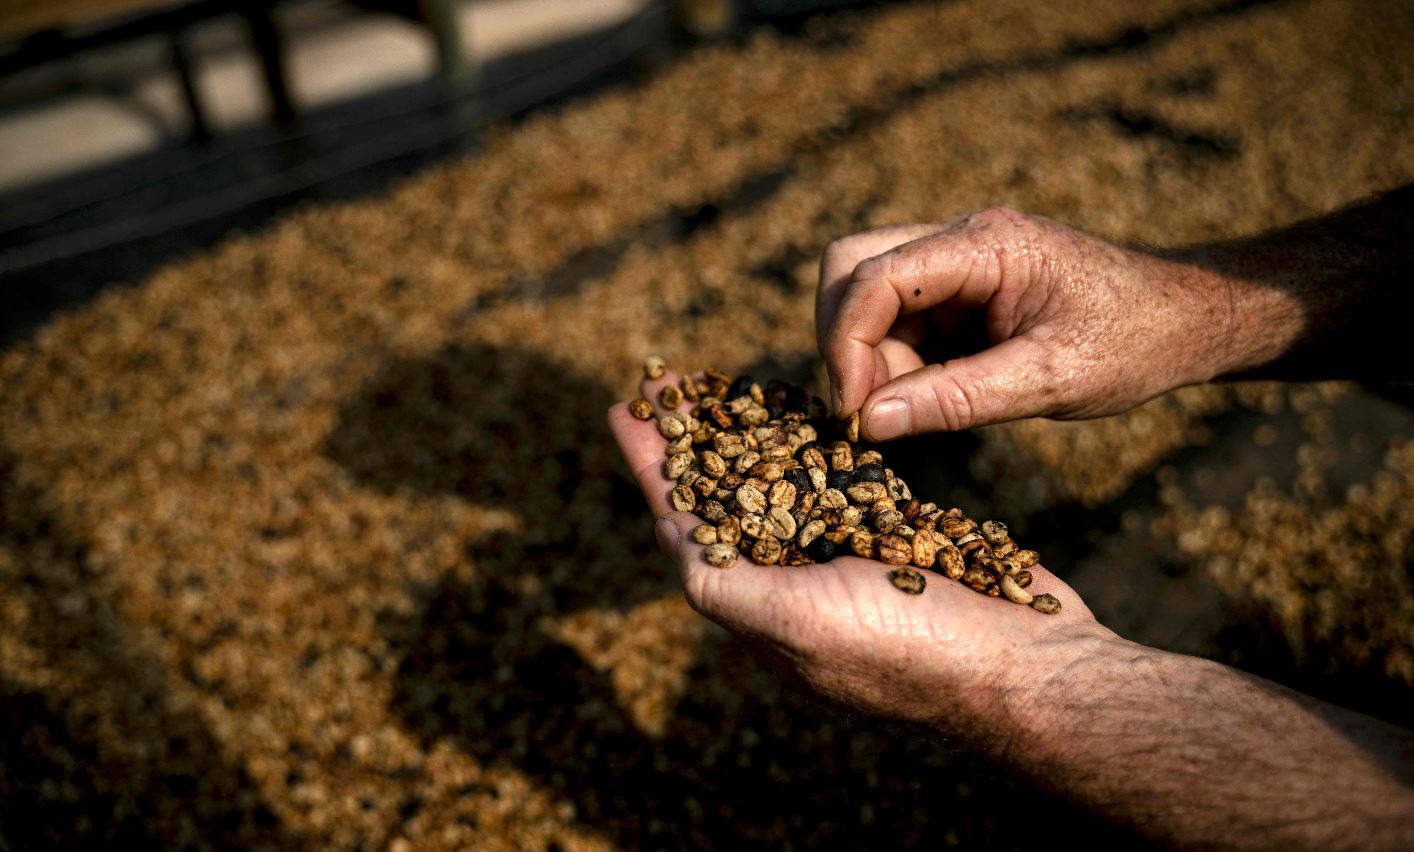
x,y
677,465
817,479
811,457
641,409
851,516
704,534
903,530
886,521
800,478
822,549
841,456
1005,549
862,543
909,510
1023,578
781,523
809,532
758,394
741,386
746,461
782,494
732,481
839,536
898,489
713,465
713,512
995,532
754,416
720,417
925,551
751,499
670,396
759,484
1013,592
753,525
720,555
670,427
689,389
769,471
895,550
956,528
653,366
869,457
728,445
684,500
833,498
1026,558
839,479
794,558
738,404
766,551
1046,603
908,581
807,434
977,579
950,563
679,445
729,530
851,428
866,493
704,487
867,473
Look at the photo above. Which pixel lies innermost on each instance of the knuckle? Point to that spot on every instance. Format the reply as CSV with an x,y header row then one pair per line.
x,y
953,400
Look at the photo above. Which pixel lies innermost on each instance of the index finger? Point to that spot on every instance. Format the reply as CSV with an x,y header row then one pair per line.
x,y
951,266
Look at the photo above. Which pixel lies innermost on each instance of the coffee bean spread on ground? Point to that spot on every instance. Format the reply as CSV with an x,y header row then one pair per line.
x,y
776,478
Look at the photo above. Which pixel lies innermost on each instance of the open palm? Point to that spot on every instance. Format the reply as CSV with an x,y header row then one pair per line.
x,y
944,656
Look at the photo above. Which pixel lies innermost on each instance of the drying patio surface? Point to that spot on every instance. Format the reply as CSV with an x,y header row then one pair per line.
x,y
318,540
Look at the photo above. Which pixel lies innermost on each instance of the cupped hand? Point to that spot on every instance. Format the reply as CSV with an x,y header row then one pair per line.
x,y
949,656
997,316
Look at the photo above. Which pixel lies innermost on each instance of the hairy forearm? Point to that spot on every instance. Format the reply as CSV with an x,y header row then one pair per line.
x,y
1195,754
1325,298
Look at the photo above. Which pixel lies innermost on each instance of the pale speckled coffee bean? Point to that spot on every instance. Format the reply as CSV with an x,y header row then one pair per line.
x,y
956,528
1046,603
682,444
809,532
851,428
817,479
894,550
908,581
677,465
869,457
753,525
841,456
866,493
833,498
950,562
776,454
684,500
813,459
782,494
1005,549
728,445
995,532
641,409
653,366
720,555
704,534
781,523
1026,558
862,543
671,427
689,389
1013,592
713,465
746,461
729,530
1023,578
851,516
886,521
713,512
769,471
898,489
670,396
766,551
925,551
977,579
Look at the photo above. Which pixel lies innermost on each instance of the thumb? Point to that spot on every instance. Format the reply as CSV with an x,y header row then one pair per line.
x,y
1005,382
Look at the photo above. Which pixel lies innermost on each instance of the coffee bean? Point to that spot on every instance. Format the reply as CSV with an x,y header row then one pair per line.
x,y
908,581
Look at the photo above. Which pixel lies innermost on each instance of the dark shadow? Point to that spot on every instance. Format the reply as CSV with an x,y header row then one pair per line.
x,y
70,777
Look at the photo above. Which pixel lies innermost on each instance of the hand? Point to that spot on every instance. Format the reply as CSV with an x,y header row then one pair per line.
x,y
1037,319
950,656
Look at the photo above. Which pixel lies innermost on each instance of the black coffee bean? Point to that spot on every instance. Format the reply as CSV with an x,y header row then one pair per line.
x,y
840,479
799,478
869,473
740,387
821,549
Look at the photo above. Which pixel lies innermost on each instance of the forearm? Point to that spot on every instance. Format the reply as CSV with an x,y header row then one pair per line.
x,y
1193,754
1326,298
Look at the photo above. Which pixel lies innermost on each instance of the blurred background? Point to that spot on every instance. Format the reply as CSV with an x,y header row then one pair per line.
x,y
311,534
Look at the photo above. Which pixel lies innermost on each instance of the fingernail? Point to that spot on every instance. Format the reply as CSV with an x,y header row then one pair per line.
x,y
668,535
890,418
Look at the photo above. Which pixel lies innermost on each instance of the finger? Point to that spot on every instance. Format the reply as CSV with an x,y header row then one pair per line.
x,y
960,266
1006,382
838,261
643,449
898,358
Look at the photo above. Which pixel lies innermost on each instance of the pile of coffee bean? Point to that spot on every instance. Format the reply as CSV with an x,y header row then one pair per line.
x,y
776,478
